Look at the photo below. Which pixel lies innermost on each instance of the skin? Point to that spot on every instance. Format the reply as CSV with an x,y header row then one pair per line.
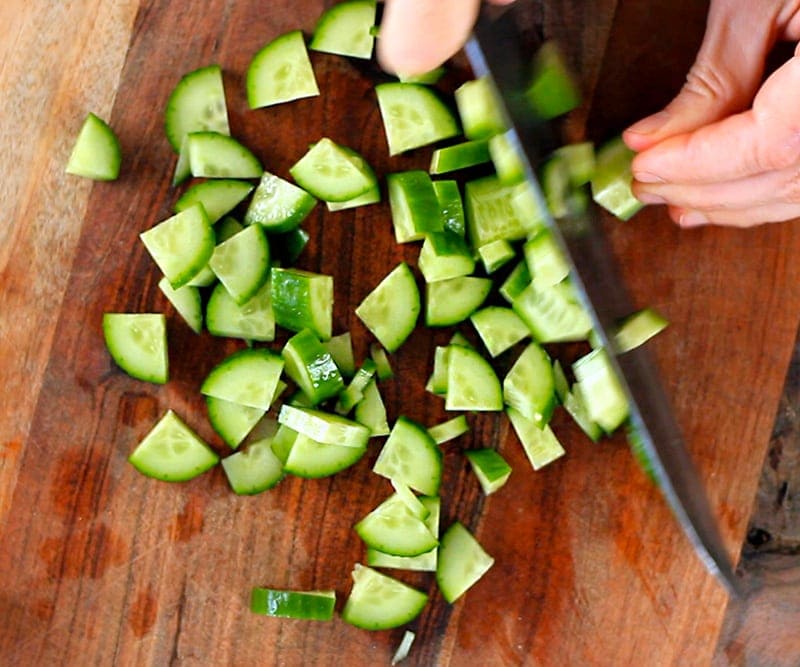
x,y
725,151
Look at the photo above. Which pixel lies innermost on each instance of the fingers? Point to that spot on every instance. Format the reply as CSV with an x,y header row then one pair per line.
x,y
749,217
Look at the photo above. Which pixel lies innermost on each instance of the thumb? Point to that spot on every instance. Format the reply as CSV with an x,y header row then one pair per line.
x,y
724,77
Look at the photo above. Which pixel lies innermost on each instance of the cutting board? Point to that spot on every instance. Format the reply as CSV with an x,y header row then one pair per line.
x,y
100,565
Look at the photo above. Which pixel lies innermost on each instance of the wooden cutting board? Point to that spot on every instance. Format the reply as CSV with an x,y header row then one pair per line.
x,y
99,565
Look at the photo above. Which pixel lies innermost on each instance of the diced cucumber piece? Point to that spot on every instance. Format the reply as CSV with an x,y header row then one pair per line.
x,y
224,229
390,310
459,338
415,207
529,206
449,430
540,443
506,160
601,390
277,205
248,377
242,263
232,421
445,255
575,405
172,452
429,78
186,301
253,320
344,29
288,246
479,109
449,302
181,245
459,156
499,328
341,350
471,382
332,172
412,502
393,529
560,381
413,116
196,104
311,459
553,90
379,602
529,386
424,562
437,383
96,153
550,315
516,282
491,469
183,169
324,427
306,605
312,367
449,198
411,456
638,328
213,155
281,72
403,648
282,442
218,197
371,196
254,470
354,392
303,300
612,178
138,344
462,562
546,261
381,359
562,197
580,161
496,254
491,213
371,412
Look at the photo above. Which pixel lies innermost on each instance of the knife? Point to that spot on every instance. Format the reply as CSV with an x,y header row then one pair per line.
x,y
496,50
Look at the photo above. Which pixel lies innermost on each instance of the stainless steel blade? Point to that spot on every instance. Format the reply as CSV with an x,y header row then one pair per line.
x,y
496,50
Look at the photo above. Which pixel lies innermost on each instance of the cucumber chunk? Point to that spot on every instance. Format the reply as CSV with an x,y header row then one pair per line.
x,y
550,315
223,230
172,452
248,377
303,300
196,104
381,359
253,320
380,602
496,254
492,214
471,382
324,427
490,468
242,263
449,197
333,173
96,153
506,160
422,563
415,207
341,350
612,178
552,91
529,387
186,301
345,29
410,456
371,412
445,255
479,109
138,344
232,421
371,196
306,605
601,390
499,328
449,302
214,155
459,156
393,529
449,430
277,205
312,367
281,72
218,197
254,470
638,328
540,443
462,562
310,459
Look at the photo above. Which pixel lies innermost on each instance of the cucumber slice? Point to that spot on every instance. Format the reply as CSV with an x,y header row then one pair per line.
x,y
413,116
254,470
529,387
303,300
312,367
505,158
580,161
172,452
490,468
601,390
410,456
516,282
449,302
333,173
491,213
449,198
496,254
390,310
311,459
96,153
381,359
393,529
437,383
449,430
371,196
341,350
344,29
479,109
551,316
224,229
575,405
471,382
429,78
281,72
181,245
218,197
424,562
282,442
354,392
403,648
560,381
379,602
412,502
183,169
186,301
248,377
462,562
415,207
232,421
325,428
213,155
306,605
612,178
499,328
371,412
546,261
138,344
540,443
553,90
445,255
277,205
242,263
638,328
253,320
459,156
196,104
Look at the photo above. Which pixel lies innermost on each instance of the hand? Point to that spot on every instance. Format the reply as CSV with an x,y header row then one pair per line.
x,y
419,35
724,151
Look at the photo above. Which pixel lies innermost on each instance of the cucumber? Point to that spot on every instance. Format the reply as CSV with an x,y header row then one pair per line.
x,y
218,197
303,300
390,310
412,502
312,367
186,301
471,382
449,430
312,460
612,178
638,328
223,230
449,198
288,246
183,169
181,245
253,320
496,254
214,155
462,562
306,605
403,648
445,255
410,456
232,421
516,282
354,392
325,428
393,529
551,316
492,214
479,109
459,156
196,104
552,91
282,442
491,469
506,160
341,350
280,72
499,328
425,562
277,205
601,391
333,173
254,470
248,377
382,364
371,412
172,452
449,302
529,386
540,443
242,263
344,29
437,383
138,344
415,207
575,405
96,153
371,196
380,602
413,116
429,78
546,261
580,161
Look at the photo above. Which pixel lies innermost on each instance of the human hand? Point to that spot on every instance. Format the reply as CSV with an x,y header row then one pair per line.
x,y
725,151
419,35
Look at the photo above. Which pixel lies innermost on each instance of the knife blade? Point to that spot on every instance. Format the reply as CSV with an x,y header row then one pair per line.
x,y
496,50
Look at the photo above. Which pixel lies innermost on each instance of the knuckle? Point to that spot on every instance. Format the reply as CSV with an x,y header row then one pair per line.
x,y
714,82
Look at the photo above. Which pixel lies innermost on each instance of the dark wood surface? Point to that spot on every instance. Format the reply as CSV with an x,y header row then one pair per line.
x,y
103,566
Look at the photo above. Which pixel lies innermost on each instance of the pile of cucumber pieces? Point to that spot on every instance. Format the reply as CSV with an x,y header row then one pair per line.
x,y
325,424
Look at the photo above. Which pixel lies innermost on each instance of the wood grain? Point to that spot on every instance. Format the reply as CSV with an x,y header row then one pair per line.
x,y
104,566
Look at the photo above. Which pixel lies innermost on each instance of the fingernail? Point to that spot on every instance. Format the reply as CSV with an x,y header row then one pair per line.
x,y
693,219
647,177
650,198
650,124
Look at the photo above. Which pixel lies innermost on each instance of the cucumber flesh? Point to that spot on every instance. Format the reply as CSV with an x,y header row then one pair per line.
x,y
196,104
186,301
451,301
411,456
311,459
232,421
380,602
490,468
277,205
499,328
312,367
345,29
393,529
306,605
424,562
324,427
248,377
242,263
214,155
138,344
462,562
96,153
540,443
303,300
471,382
333,173
529,386
253,470
218,197
253,320
281,72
